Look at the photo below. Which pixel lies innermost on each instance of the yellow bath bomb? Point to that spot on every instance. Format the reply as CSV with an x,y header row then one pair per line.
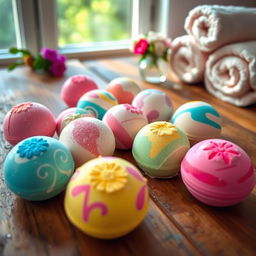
x,y
107,197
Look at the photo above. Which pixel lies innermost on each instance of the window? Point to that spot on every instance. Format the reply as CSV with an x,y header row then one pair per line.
x,y
81,28
86,22
8,36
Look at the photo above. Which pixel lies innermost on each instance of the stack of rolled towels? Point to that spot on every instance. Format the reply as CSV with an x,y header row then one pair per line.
x,y
219,49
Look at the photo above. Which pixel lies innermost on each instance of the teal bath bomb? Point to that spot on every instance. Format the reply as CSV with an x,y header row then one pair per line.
x,y
38,168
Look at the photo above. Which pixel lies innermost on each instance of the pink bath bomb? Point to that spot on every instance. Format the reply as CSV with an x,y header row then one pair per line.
x,y
26,120
75,87
125,121
69,115
87,138
218,172
124,89
155,105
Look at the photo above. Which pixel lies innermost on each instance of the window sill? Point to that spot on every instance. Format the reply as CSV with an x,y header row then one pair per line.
x,y
96,50
81,52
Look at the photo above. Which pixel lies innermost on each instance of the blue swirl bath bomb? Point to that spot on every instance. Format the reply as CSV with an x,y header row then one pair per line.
x,y
97,102
198,120
38,168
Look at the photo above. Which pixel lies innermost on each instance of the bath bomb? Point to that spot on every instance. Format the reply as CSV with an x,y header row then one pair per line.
x,y
75,87
26,120
38,168
155,105
218,172
158,149
106,198
68,115
125,121
97,102
124,89
198,120
87,138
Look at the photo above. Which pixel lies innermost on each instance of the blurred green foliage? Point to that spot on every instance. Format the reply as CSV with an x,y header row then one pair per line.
x,y
79,21
84,21
7,29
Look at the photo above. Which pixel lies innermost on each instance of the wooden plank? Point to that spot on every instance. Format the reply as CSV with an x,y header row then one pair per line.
x,y
214,231
176,224
25,85
41,228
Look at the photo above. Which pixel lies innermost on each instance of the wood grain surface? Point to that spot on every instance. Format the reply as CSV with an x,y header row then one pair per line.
x,y
176,223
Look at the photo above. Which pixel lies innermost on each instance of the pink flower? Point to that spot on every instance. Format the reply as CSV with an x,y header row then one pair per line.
x,y
141,46
159,47
49,54
58,67
168,42
225,151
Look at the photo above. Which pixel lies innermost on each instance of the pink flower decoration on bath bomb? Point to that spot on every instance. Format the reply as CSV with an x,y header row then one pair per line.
x,y
21,107
133,109
222,151
141,46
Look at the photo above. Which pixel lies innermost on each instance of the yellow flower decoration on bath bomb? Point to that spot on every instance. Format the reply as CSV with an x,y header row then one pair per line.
x,y
108,177
163,128
160,134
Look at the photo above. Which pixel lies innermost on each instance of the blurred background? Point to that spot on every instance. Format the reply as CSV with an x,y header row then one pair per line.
x,y
81,27
78,21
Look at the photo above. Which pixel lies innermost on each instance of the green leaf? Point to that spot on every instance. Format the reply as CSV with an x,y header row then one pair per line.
x,y
38,63
41,63
165,55
13,50
25,52
14,65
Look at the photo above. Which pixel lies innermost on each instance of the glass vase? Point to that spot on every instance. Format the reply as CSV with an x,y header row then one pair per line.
x,y
150,71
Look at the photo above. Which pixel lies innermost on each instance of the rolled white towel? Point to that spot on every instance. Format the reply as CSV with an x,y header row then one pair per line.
x,y
186,61
231,73
213,26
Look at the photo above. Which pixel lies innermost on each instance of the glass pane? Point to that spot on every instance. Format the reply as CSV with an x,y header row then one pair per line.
x,y
86,21
7,28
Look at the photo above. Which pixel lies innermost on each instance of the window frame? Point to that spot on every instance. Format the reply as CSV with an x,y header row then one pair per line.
x,y
26,29
36,21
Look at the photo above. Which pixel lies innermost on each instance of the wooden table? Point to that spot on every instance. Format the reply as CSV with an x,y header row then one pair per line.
x,y
176,223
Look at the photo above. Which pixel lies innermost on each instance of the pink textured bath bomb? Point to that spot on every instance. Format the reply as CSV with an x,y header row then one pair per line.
x,y
75,87
125,121
124,89
28,119
218,172
69,115
87,138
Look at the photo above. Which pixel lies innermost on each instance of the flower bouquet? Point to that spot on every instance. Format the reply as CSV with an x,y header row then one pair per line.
x,y
153,48
48,60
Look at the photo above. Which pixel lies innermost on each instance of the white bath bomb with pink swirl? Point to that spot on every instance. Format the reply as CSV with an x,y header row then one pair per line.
x,y
155,105
125,121
87,138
